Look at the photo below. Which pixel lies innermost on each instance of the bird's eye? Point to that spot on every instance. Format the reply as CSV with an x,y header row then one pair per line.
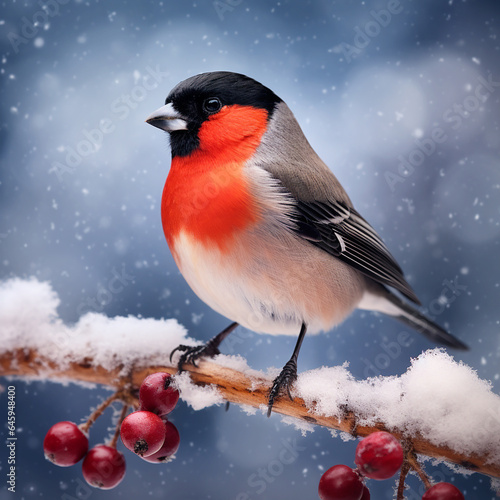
x,y
212,105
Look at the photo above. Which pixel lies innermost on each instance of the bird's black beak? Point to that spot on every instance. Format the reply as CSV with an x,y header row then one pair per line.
x,y
167,118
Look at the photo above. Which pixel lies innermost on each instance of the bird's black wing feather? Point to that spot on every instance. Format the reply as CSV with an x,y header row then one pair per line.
x,y
344,233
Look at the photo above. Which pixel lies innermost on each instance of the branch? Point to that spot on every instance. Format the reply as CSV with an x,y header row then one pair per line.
x,y
234,387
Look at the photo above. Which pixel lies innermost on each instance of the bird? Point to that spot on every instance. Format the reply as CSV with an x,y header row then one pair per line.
x,y
262,230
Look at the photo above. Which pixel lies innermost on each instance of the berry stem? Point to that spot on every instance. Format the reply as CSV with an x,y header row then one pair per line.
x,y
411,457
123,414
405,468
99,411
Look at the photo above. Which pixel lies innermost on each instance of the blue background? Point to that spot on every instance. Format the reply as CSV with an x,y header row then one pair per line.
x,y
82,175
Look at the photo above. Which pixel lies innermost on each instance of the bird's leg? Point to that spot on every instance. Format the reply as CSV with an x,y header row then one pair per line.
x,y
190,354
288,375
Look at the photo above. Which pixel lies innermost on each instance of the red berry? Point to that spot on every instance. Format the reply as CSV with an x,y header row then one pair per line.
x,y
143,432
379,456
340,483
65,444
170,445
366,494
157,395
103,467
443,491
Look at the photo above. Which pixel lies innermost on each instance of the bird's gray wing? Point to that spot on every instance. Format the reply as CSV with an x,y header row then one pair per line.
x,y
342,232
321,211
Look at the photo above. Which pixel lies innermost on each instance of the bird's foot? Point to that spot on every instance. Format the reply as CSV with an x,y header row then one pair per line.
x,y
283,381
190,354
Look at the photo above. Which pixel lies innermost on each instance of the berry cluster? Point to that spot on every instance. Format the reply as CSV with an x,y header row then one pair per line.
x,y
66,444
147,432
379,456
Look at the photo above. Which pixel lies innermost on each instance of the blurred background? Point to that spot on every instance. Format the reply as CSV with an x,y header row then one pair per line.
x,y
400,98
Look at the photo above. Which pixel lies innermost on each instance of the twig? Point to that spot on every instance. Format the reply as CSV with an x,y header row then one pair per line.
x,y
235,387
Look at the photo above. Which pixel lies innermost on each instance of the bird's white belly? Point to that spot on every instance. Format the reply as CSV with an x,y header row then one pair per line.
x,y
271,284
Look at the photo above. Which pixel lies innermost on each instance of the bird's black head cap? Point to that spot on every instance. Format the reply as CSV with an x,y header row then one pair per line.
x,y
199,96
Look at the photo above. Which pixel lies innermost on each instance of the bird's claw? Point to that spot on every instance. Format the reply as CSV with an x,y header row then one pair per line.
x,y
283,381
192,353
178,348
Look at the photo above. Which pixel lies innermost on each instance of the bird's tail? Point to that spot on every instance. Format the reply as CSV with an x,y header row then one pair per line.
x,y
386,302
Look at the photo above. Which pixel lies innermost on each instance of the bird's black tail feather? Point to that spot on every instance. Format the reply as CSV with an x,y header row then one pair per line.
x,y
416,320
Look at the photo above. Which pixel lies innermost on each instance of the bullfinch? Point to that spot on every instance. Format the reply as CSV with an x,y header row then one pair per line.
x,y
259,226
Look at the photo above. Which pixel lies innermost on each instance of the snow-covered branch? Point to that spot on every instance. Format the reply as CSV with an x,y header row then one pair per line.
x,y
439,407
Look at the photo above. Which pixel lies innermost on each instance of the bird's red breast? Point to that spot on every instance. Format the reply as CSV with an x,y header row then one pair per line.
x,y
206,194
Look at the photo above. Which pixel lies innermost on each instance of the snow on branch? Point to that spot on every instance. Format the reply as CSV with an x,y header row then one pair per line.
x,y
440,408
